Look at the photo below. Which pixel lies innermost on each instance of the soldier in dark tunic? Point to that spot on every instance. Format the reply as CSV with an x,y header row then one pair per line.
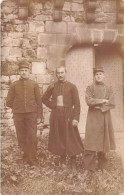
x,y
99,135
25,100
62,97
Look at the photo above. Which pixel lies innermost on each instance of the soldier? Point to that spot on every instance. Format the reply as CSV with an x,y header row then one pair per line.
x,y
64,138
99,136
25,100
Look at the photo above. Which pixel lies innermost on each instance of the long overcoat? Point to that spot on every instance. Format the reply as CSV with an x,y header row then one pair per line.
x,y
99,135
64,139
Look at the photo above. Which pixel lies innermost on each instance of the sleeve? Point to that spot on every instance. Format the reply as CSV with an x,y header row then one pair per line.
x,y
46,96
10,96
38,100
76,103
90,100
111,103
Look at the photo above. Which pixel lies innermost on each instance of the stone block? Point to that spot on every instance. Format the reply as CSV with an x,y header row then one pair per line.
x,y
7,9
4,86
15,35
46,118
26,43
12,16
67,18
5,51
4,79
7,115
83,35
4,93
9,3
41,52
109,36
3,103
45,133
72,27
7,41
57,15
64,39
46,39
29,53
6,121
96,26
8,68
16,42
48,5
38,67
36,5
53,27
15,51
67,6
21,27
77,7
108,6
14,78
58,51
44,79
33,77
36,26
52,64
42,17
78,1
23,13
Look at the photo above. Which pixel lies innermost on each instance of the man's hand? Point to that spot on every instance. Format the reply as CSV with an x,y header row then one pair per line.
x,y
75,123
105,101
38,120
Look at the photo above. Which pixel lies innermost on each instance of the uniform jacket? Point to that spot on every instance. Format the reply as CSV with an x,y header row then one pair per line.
x,y
24,96
99,135
70,97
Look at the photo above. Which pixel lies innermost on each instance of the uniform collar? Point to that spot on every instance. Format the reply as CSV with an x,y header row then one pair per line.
x,y
99,83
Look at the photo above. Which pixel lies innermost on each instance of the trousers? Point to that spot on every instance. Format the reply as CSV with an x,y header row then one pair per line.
x,y
26,130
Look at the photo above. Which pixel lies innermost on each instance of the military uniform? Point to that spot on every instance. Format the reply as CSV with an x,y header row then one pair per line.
x,y
25,100
99,135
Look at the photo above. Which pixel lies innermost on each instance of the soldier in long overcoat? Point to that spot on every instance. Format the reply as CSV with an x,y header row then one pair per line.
x,y
99,135
62,97
25,101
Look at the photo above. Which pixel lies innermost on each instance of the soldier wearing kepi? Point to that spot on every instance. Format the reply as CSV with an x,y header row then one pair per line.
x,y
25,100
99,136
64,138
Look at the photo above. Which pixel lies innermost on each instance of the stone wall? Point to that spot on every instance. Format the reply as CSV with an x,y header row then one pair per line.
x,y
45,43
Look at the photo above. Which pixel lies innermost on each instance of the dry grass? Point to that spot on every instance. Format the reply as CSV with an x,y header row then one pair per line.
x,y
51,178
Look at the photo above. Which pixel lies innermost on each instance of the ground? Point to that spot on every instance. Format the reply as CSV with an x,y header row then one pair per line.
x,y
49,177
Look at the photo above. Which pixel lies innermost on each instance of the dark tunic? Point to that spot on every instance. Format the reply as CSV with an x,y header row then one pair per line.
x,y
99,135
64,139
25,101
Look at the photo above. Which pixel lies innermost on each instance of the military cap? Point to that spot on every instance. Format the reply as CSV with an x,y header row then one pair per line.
x,y
98,69
23,65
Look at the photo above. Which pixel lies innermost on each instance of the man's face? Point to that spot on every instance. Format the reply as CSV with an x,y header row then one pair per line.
x,y
99,76
60,73
24,73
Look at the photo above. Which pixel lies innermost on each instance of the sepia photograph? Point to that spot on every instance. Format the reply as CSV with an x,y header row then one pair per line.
x,y
62,97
